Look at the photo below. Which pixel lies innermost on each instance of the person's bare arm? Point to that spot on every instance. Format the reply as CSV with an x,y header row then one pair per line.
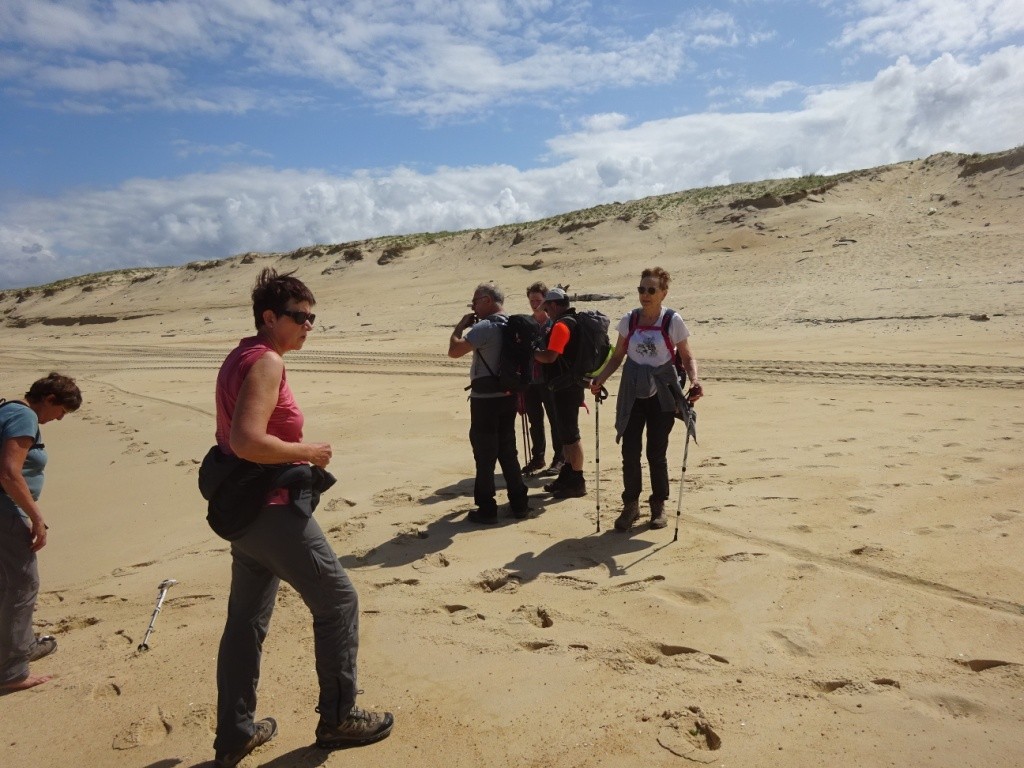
x,y
690,366
256,401
12,459
458,346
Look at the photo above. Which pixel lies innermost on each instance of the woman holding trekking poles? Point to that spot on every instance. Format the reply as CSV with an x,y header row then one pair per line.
x,y
653,340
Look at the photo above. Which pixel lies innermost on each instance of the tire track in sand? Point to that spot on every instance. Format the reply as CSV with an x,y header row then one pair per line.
x,y
103,358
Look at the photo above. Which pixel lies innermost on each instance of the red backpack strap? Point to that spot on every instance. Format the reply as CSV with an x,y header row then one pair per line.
x,y
634,321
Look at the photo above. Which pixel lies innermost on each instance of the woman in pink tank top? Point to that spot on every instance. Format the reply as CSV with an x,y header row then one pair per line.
x,y
257,416
258,420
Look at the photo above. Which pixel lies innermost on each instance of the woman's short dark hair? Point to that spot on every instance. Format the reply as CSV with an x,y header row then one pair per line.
x,y
272,291
63,389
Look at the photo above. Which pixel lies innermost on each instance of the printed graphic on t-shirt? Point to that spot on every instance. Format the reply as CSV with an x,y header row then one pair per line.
x,y
647,344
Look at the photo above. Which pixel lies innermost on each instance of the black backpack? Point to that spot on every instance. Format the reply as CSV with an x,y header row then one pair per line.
x,y
515,362
589,330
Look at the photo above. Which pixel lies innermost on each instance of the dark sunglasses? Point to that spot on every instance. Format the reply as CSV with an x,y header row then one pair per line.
x,y
299,316
647,289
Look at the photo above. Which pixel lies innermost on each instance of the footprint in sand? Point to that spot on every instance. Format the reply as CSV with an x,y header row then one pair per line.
x,y
201,717
333,505
187,601
830,686
636,585
573,582
347,527
676,650
497,579
462,614
128,569
119,640
692,596
741,556
655,653
537,615
410,534
102,691
392,496
430,562
147,731
537,645
398,582
70,623
867,549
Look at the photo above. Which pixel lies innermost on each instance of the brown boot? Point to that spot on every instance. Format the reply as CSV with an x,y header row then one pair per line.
x,y
658,513
630,514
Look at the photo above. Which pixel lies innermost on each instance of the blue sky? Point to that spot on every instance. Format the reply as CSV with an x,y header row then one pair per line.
x,y
155,133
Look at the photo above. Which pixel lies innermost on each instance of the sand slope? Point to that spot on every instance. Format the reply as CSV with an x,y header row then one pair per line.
x,y
847,585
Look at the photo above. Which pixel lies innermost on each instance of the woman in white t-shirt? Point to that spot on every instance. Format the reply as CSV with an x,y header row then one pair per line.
x,y
650,393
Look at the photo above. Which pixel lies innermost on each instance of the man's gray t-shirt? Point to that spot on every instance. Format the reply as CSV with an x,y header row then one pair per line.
x,y
485,338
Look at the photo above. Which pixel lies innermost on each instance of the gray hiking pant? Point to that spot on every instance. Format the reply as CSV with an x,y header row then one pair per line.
x,y
19,586
282,545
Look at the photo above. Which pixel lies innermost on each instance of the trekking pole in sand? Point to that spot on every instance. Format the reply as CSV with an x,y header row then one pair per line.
x,y
597,452
690,419
527,448
162,587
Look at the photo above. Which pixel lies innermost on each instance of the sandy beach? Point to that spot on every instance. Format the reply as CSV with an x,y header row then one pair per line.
x,y
847,586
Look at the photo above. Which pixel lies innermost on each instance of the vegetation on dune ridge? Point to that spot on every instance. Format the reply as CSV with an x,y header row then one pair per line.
x,y
89,281
387,248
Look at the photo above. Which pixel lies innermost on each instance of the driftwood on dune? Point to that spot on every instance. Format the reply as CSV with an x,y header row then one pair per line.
x,y
535,264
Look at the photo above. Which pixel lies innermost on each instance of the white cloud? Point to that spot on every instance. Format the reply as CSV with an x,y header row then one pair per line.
x,y
607,121
908,110
926,27
184,148
771,92
146,80
433,57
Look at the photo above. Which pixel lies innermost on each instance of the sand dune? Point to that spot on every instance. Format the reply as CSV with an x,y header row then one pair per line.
x,y
847,586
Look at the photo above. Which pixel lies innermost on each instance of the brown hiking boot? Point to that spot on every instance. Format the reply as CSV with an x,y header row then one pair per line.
x,y
630,514
658,514
266,729
359,728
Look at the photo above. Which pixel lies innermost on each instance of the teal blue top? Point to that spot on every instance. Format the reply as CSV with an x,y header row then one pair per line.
x,y
18,420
